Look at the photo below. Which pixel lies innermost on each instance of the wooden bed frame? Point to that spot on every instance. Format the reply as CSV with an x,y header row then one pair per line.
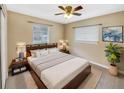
x,y
73,84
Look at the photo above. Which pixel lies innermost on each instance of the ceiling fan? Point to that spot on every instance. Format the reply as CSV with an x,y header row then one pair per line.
x,y
69,11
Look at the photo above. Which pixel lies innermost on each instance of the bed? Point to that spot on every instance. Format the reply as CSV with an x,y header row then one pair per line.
x,y
57,70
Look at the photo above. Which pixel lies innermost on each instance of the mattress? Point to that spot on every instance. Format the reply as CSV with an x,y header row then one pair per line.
x,y
59,74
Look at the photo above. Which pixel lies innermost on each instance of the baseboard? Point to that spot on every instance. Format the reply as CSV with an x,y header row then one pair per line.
x,y
103,66
120,71
97,64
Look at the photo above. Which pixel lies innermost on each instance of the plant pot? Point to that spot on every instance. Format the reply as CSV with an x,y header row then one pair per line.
x,y
113,70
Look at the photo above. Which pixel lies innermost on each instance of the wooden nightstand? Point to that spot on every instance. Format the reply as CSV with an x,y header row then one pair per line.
x,y
19,66
67,52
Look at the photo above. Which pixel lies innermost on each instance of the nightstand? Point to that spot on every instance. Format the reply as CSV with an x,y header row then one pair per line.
x,y
19,66
64,51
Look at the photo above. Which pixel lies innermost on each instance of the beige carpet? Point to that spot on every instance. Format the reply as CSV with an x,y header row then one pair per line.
x,y
25,81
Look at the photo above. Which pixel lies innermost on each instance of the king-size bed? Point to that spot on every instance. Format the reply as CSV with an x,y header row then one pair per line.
x,y
56,70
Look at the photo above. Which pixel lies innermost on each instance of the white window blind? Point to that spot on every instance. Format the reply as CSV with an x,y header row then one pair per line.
x,y
40,34
88,33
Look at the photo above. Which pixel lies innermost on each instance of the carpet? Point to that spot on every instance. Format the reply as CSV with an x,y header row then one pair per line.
x,y
92,80
25,81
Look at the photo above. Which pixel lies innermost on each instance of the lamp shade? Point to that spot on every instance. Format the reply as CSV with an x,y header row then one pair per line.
x,y
63,45
21,48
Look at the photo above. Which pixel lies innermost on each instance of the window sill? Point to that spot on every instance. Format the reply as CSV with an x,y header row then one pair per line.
x,y
87,42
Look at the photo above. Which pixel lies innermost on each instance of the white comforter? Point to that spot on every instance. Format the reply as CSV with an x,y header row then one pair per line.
x,y
59,75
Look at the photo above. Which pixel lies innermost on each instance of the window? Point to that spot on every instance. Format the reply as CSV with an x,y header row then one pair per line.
x,y
87,34
40,34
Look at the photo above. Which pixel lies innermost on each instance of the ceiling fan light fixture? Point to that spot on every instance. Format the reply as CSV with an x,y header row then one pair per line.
x,y
69,11
68,16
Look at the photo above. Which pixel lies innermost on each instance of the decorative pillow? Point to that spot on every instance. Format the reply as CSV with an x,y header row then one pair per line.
x,y
53,50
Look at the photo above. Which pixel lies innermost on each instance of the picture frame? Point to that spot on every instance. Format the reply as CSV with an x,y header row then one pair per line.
x,y
112,34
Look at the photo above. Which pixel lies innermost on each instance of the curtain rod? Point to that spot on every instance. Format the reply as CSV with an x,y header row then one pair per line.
x,y
39,23
86,25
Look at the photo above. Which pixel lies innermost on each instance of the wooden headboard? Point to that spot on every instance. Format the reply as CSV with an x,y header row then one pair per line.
x,y
39,46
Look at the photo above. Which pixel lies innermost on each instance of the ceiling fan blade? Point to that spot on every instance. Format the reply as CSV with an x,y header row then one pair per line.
x,y
59,13
61,7
77,14
78,8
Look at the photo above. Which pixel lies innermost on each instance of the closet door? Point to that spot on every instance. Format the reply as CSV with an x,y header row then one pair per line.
x,y
0,53
3,47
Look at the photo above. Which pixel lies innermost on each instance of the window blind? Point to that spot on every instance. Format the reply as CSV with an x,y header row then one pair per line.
x,y
40,34
88,33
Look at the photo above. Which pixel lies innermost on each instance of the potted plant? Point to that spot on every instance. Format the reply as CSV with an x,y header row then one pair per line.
x,y
113,52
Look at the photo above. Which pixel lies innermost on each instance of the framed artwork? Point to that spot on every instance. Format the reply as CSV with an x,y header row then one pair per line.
x,y
112,34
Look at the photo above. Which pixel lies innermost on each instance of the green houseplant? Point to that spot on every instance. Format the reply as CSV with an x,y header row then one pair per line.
x,y
113,52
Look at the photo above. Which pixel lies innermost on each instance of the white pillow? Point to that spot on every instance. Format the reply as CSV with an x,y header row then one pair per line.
x,y
53,50
42,52
46,52
34,53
